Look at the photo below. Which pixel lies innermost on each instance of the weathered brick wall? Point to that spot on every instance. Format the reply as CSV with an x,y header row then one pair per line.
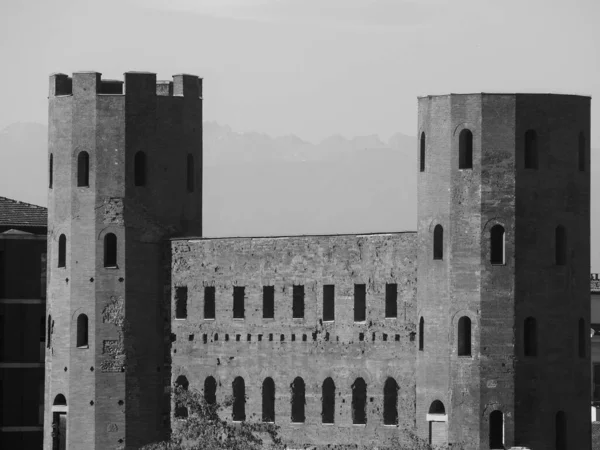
x,y
311,261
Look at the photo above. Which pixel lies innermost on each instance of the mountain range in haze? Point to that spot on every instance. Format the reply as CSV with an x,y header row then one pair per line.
x,y
258,185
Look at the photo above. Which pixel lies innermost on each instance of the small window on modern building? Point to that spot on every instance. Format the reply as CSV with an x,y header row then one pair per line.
x,y
298,400
268,302
391,300
298,302
390,402
62,251
50,171
328,401
560,428
359,402
422,153
209,302
496,430
464,336
83,169
360,302
268,400
438,242
465,149
181,297
210,390
110,250
139,169
530,337
421,333
82,331
328,303
182,383
560,245
531,150
238,302
582,340
239,399
497,245
190,172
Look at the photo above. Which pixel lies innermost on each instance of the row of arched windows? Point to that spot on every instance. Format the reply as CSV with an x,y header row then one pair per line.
x,y
298,399
530,153
110,250
530,337
139,170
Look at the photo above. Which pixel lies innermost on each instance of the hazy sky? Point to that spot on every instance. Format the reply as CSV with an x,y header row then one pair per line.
x,y
307,67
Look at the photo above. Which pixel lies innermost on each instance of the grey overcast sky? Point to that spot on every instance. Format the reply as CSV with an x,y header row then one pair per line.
x,y
307,67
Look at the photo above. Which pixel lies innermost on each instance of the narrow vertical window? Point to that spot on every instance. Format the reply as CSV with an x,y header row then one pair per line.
x,y
421,333
50,171
209,302
190,172
464,336
181,384
359,402
82,331
238,302
465,149
268,400
239,399
62,251
268,302
581,152
531,150
360,302
391,300
497,245
210,390
560,429
48,332
328,401
298,400
298,302
83,169
530,337
390,402
422,153
496,430
110,250
560,245
328,302
139,169
582,338
181,297
438,242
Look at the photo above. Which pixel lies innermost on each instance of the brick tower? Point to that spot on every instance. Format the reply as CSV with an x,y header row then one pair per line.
x,y
503,268
124,174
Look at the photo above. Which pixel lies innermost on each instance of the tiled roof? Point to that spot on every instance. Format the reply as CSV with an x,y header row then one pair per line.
x,y
16,213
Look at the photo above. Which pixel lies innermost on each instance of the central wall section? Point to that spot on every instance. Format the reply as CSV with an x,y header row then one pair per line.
x,y
302,311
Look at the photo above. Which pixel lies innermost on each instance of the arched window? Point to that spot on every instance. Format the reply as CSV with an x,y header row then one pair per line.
x,y
50,171
530,337
421,333
62,251
298,400
83,169
110,250
59,400
190,172
422,153
531,153
560,245
328,401
438,242
82,331
465,149
59,422
239,399
561,430
49,332
210,390
359,401
582,340
268,400
581,152
497,245
182,382
390,402
464,336
437,407
496,430
139,169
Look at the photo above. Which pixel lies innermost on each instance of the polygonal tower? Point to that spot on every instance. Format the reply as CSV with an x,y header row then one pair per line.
x,y
503,268
124,174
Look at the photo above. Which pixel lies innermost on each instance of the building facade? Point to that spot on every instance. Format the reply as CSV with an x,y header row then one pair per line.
x,y
473,330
